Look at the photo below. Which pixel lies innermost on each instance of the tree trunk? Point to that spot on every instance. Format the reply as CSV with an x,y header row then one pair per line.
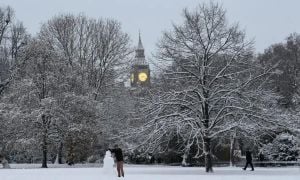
x,y
44,143
207,153
44,163
185,156
56,159
59,154
206,139
232,145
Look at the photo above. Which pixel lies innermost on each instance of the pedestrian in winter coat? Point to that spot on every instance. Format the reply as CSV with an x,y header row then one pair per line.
x,y
248,160
119,158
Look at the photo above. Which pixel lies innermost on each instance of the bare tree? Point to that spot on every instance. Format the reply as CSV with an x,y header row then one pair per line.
x,y
112,51
6,15
18,39
96,50
212,77
8,65
13,37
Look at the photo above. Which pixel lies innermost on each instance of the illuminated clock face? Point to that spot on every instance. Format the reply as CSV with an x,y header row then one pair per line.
x,y
143,76
132,77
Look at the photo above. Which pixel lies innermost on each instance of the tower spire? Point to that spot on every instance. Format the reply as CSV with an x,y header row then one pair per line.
x,y
140,45
140,52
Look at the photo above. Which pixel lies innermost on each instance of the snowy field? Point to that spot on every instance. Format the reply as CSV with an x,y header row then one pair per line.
x,y
151,173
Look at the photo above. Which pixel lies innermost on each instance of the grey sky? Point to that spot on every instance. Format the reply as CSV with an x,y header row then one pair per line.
x,y
268,21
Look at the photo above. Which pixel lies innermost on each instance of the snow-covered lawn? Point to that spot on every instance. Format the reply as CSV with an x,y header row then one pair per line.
x,y
152,173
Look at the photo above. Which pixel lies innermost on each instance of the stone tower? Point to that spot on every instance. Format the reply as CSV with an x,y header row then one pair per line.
x,y
140,71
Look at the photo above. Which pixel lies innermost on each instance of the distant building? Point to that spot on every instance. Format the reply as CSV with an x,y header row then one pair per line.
x,y
140,71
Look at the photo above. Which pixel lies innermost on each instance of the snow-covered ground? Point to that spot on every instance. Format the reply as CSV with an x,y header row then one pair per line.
x,y
151,173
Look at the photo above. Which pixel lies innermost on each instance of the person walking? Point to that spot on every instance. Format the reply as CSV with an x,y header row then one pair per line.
x,y
248,160
119,158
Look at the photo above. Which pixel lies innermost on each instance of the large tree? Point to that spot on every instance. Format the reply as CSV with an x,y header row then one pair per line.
x,y
211,87
92,55
13,38
6,14
94,51
286,81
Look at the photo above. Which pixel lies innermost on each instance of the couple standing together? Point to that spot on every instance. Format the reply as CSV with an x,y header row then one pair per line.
x,y
109,162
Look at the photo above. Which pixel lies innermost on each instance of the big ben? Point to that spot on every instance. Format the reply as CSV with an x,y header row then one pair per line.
x,y
140,71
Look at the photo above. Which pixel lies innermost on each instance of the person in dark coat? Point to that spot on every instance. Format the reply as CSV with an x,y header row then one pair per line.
x,y
248,160
119,158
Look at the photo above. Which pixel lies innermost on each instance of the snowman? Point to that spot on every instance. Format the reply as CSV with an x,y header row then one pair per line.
x,y
108,166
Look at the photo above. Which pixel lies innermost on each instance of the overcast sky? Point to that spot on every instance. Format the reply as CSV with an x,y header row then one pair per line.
x,y
267,21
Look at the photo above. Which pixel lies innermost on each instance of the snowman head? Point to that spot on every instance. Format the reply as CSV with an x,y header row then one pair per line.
x,y
108,154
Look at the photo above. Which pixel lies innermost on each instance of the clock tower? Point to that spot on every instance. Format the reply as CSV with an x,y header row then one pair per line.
x,y
140,71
